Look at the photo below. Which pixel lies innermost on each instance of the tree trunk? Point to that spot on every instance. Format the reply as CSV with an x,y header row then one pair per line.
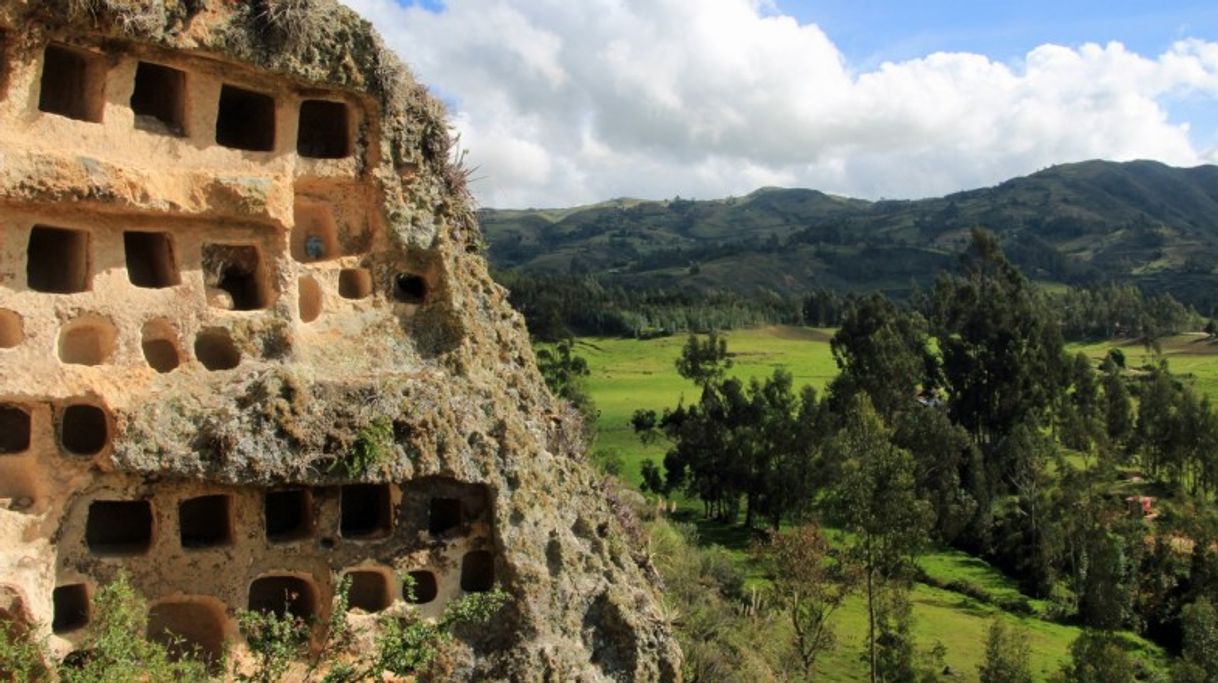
x,y
871,611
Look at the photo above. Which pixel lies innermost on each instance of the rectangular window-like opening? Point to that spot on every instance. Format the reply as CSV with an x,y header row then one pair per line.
x,y
235,277
421,588
283,595
189,630
216,350
12,329
325,130
119,527
57,260
71,608
73,84
205,522
84,429
159,342
150,261
443,516
369,591
355,283
5,41
409,288
89,340
477,571
366,511
314,234
310,299
159,99
14,429
289,515
246,120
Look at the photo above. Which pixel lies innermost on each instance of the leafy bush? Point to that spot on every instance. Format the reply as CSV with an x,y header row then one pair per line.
x,y
115,649
373,448
21,657
724,636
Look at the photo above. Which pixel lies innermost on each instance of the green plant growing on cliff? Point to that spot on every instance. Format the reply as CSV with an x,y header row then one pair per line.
x,y
339,636
118,652
407,644
114,651
275,641
404,643
565,373
22,658
373,448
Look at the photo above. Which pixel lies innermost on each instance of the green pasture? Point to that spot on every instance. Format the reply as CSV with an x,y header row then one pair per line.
x,y
957,621
627,375
1191,356
960,624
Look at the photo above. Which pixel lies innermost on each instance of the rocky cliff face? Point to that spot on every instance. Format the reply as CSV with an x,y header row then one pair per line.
x,y
247,343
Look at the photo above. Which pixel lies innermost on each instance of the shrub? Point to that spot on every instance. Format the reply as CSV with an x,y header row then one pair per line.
x,y
117,649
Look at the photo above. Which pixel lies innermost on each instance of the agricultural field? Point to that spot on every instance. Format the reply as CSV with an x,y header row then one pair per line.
x,y
1191,356
627,375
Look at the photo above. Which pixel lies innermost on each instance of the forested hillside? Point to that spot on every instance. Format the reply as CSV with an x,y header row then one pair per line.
x,y
960,468
1081,224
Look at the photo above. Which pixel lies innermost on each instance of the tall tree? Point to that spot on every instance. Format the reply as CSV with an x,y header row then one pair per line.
x,y
1003,359
704,361
811,581
880,350
757,441
1106,599
946,460
1097,657
1199,621
1118,409
1156,432
788,434
1006,655
1081,425
1020,465
875,498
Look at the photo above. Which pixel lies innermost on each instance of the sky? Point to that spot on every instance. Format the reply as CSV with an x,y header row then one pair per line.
x,y
566,102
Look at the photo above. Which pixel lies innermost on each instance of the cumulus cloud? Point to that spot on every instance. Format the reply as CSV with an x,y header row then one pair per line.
x,y
562,102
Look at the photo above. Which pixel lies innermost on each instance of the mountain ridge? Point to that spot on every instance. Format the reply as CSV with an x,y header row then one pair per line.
x,y
1081,223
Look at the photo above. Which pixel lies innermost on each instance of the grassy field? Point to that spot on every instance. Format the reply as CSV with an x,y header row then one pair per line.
x,y
1191,356
628,375
960,624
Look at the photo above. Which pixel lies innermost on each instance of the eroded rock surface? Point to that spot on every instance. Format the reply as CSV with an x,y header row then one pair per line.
x,y
247,345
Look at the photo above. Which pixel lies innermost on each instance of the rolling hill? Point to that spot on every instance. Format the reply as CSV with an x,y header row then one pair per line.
x,y
1096,221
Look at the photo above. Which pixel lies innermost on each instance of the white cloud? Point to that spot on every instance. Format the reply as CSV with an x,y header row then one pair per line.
x,y
562,102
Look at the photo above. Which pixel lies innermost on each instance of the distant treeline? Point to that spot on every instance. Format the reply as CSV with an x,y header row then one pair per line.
x,y
562,306
1121,311
558,307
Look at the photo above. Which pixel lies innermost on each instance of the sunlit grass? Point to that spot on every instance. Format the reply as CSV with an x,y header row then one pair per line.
x,y
1190,356
628,375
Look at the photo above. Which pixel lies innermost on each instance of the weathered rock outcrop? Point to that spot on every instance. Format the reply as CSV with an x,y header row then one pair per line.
x,y
247,343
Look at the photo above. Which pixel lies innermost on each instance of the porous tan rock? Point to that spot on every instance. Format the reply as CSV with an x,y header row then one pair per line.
x,y
248,345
